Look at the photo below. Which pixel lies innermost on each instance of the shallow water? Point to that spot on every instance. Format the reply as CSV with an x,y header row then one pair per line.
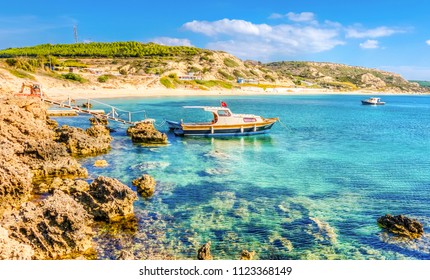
x,y
310,190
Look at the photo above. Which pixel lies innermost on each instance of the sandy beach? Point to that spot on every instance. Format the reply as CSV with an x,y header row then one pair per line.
x,y
84,93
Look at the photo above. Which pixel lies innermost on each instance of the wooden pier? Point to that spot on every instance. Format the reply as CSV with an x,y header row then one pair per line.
x,y
114,114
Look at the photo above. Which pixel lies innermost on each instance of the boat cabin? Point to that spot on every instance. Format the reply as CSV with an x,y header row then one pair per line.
x,y
224,116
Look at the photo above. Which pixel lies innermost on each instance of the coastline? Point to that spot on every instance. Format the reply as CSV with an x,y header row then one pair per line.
x,y
84,93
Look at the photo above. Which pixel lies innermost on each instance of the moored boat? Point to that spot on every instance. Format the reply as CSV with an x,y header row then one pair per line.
x,y
224,123
372,101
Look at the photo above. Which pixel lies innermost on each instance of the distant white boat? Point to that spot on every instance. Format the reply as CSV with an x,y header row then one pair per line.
x,y
224,123
372,101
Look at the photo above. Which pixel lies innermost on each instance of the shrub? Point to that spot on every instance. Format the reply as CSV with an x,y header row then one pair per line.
x,y
165,81
230,62
226,75
74,63
73,77
21,74
103,78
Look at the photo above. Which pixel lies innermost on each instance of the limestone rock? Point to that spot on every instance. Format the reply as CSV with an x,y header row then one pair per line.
x,y
100,163
59,226
402,226
93,141
245,255
145,185
107,199
11,249
371,81
98,121
68,186
204,253
146,133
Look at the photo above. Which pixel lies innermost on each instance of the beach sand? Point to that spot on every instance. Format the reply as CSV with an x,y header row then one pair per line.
x,y
85,93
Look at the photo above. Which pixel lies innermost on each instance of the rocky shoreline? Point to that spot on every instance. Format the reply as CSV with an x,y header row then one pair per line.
x,y
36,159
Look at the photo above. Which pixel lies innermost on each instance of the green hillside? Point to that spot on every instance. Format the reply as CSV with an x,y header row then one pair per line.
x,y
98,50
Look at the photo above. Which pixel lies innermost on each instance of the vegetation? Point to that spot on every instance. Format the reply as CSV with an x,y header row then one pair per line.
x,y
225,75
230,62
104,78
73,63
116,49
73,77
422,83
21,74
166,81
215,83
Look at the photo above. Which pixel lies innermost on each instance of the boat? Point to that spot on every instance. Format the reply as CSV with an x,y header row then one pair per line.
x,y
224,123
372,101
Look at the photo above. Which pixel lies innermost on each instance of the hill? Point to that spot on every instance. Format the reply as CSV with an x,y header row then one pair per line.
x,y
133,64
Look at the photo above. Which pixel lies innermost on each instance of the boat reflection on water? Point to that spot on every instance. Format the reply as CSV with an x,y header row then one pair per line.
x,y
232,143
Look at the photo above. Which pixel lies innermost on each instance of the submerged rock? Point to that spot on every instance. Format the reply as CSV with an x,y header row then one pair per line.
x,y
145,132
100,163
204,253
145,185
247,256
107,199
402,226
57,227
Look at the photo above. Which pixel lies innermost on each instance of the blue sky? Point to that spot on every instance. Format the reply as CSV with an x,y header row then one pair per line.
x,y
388,35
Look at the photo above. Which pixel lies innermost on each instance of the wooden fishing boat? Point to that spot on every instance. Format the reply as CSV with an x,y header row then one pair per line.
x,y
224,123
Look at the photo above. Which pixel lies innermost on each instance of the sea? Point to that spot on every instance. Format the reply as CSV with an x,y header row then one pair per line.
x,y
311,188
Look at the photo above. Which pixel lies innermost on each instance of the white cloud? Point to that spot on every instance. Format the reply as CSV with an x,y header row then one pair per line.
x,y
226,26
276,16
428,42
168,41
299,17
382,31
303,35
370,44
259,41
302,17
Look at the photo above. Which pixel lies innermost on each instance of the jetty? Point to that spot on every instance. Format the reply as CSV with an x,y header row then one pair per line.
x,y
113,113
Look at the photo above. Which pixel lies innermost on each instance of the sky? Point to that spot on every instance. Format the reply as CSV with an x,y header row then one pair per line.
x,y
383,34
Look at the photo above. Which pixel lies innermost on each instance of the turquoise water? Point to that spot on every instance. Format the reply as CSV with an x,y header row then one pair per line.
x,y
310,190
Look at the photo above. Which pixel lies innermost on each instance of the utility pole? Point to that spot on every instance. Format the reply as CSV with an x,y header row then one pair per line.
x,y
75,33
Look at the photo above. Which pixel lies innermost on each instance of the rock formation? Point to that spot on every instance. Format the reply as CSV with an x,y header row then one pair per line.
x,y
145,132
11,249
247,256
57,227
100,163
107,199
27,150
204,253
402,226
98,121
145,185
93,141
371,81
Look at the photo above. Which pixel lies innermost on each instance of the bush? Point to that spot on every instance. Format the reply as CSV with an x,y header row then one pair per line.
x,y
103,78
21,74
226,75
165,81
230,62
74,63
73,77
